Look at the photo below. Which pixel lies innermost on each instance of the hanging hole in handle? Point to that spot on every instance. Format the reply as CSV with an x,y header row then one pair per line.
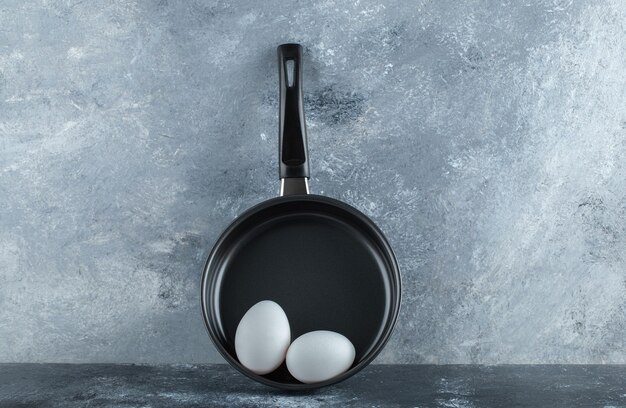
x,y
289,67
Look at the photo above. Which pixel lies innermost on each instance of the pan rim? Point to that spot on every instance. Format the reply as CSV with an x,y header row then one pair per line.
x,y
393,272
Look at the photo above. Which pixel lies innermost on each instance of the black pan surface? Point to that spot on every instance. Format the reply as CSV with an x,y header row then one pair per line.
x,y
324,262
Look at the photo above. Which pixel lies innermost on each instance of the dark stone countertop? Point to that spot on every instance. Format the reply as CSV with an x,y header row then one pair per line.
x,y
103,385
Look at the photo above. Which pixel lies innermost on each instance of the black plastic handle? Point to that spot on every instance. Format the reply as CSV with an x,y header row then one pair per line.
x,y
293,154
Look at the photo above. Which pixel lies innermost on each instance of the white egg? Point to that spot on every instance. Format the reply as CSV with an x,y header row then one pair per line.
x,y
262,337
319,355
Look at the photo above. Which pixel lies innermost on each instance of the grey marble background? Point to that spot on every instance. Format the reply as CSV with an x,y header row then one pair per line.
x,y
487,139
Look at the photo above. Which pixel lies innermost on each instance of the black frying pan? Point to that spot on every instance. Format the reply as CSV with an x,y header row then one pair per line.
x,y
324,262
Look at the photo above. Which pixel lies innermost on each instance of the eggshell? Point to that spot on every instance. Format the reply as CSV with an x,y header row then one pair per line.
x,y
319,355
262,338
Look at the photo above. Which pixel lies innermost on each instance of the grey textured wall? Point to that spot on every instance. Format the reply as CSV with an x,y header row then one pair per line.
x,y
488,140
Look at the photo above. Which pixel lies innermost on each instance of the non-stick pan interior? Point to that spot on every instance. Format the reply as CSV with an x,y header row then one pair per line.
x,y
322,261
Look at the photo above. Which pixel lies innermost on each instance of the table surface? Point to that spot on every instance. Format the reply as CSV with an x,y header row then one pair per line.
x,y
106,385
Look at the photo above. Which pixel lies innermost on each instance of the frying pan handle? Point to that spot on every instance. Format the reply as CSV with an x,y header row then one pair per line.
x,y
292,145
